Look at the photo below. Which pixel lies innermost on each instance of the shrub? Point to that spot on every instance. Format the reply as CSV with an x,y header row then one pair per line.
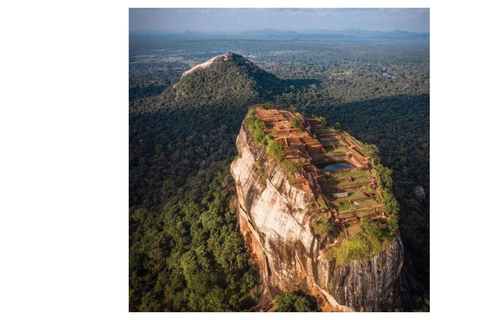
x,y
259,130
373,235
266,139
275,149
390,205
322,225
297,122
261,173
322,120
249,120
384,176
289,166
258,135
260,125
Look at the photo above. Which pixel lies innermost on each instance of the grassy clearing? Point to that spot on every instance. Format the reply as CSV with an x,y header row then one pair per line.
x,y
352,195
337,153
364,213
364,245
355,205
368,189
367,203
356,194
346,182
346,215
332,145
331,184
360,180
342,206
352,174
351,249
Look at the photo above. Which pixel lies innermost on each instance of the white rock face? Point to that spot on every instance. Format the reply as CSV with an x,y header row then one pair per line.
x,y
273,213
275,220
207,64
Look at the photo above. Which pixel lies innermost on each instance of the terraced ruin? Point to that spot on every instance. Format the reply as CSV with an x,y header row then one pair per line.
x,y
330,164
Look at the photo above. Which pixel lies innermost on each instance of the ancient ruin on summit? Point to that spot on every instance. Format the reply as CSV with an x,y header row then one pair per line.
x,y
331,165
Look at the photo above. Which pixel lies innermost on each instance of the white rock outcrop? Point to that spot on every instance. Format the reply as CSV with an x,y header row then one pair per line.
x,y
207,64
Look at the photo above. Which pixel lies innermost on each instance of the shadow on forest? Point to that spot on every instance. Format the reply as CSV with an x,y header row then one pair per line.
x,y
150,91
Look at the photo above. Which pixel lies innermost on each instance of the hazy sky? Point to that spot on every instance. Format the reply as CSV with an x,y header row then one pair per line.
x,y
228,20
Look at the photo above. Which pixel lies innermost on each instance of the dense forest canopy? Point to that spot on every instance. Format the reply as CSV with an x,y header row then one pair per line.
x,y
185,250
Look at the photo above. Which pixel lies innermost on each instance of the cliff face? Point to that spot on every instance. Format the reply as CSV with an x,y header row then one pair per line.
x,y
275,219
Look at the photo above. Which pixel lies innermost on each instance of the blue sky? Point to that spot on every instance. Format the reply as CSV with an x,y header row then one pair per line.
x,y
232,20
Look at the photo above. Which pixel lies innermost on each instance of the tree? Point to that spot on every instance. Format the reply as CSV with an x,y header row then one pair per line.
x,y
337,126
303,305
293,302
285,302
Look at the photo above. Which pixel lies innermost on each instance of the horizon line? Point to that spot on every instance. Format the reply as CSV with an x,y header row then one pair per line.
x,y
305,31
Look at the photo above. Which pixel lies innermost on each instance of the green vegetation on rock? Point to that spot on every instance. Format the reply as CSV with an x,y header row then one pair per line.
x,y
322,120
272,148
364,245
323,225
275,150
369,242
296,122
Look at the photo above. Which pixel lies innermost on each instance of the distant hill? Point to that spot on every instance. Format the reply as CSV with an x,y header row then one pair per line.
x,y
225,80
320,34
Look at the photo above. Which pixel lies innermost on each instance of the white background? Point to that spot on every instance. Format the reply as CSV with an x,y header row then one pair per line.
x,y
64,157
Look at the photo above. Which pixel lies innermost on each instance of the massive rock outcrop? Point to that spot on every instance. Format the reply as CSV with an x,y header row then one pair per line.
x,y
275,218
208,63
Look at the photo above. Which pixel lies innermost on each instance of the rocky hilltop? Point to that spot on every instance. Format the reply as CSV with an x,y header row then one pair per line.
x,y
227,80
210,63
303,227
